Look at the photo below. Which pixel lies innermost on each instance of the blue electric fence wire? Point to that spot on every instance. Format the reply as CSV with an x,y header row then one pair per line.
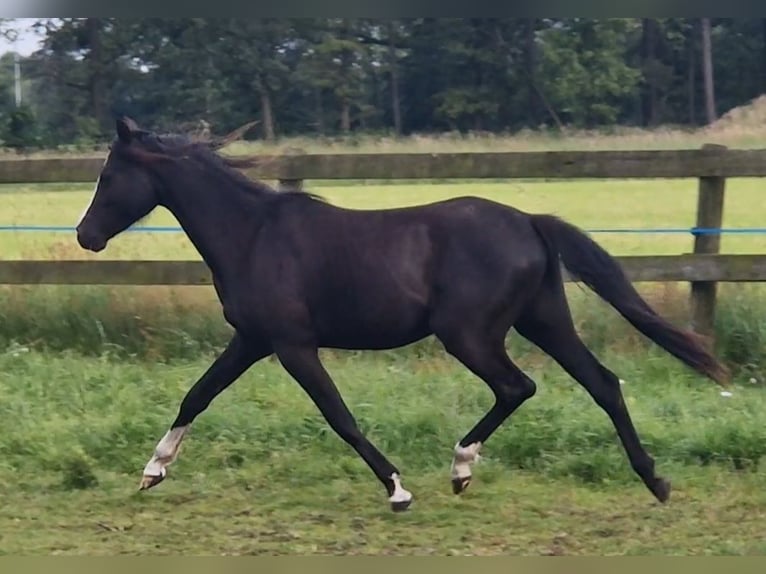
x,y
658,230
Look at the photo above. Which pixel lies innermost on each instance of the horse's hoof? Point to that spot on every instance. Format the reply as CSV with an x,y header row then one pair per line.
x,y
459,484
400,505
661,489
400,498
150,481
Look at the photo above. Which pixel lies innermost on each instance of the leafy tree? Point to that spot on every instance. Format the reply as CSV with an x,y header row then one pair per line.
x,y
327,75
19,129
584,72
333,64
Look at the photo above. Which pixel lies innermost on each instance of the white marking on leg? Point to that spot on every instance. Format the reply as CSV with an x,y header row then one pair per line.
x,y
464,457
400,495
95,189
165,452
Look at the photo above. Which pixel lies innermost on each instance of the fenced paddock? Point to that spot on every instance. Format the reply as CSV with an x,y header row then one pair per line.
x,y
92,371
704,268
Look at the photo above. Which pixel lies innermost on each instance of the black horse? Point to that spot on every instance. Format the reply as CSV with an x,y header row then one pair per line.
x,y
294,274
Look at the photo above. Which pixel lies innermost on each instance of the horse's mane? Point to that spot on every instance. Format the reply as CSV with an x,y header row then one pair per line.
x,y
205,150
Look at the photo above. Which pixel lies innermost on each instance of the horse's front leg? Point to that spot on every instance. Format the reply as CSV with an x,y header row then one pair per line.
x,y
238,356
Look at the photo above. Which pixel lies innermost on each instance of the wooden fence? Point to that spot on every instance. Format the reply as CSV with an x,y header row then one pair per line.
x,y
711,165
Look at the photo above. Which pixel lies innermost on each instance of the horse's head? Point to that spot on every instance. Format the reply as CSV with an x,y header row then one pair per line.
x,y
127,188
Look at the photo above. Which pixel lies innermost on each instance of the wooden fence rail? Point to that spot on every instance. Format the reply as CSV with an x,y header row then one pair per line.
x,y
729,268
711,164
705,162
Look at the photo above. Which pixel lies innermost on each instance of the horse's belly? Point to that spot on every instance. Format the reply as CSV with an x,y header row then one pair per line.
x,y
371,326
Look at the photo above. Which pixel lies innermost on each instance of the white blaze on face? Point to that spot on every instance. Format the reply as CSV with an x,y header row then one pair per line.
x,y
95,188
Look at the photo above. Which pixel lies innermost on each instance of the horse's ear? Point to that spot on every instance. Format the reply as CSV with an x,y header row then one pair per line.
x,y
126,128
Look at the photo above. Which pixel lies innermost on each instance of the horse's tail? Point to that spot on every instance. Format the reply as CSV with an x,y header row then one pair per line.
x,y
588,262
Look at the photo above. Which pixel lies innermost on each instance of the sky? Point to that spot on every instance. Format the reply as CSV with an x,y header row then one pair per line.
x,y
27,41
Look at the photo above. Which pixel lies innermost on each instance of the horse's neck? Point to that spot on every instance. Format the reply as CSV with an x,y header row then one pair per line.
x,y
219,218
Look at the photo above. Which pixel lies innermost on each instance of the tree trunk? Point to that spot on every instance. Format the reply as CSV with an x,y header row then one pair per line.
x,y
648,60
344,78
530,64
707,70
93,28
692,76
396,108
267,115
345,116
319,111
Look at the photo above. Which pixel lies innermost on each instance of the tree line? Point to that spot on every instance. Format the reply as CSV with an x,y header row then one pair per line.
x,y
339,76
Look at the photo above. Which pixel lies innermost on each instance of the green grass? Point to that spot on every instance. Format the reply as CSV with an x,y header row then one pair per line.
x,y
262,473
157,323
589,204
249,511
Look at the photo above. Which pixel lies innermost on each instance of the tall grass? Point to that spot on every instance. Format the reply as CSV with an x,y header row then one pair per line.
x,y
154,323
72,419
180,323
615,138
741,329
742,128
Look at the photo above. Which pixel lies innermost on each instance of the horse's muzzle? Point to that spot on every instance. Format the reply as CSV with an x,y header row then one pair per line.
x,y
90,241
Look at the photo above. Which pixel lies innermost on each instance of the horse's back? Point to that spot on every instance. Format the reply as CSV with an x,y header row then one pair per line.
x,y
371,278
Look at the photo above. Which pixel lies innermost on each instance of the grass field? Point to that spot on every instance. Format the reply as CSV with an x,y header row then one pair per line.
x,y
590,204
261,473
91,377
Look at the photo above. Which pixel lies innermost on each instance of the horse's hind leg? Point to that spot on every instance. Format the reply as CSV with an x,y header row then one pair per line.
x,y
484,354
548,324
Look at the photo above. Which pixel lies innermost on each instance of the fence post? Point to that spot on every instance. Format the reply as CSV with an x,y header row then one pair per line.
x,y
709,215
291,184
